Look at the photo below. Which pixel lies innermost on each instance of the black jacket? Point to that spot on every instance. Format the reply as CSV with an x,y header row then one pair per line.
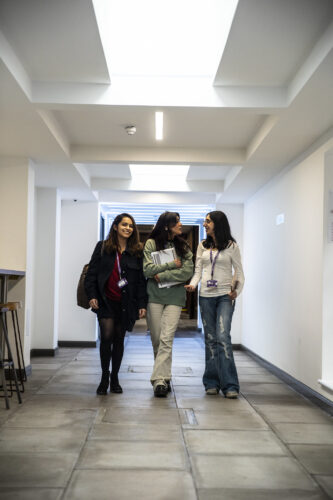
x,y
134,296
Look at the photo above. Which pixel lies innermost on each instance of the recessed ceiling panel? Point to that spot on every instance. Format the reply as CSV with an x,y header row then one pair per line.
x,y
183,128
56,40
270,39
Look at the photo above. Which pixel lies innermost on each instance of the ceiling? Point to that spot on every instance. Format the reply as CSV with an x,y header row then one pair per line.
x,y
270,100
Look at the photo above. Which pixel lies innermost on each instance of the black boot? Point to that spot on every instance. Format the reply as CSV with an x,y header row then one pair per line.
x,y
114,384
102,389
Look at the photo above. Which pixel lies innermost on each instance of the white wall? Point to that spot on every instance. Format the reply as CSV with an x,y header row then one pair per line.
x,y
282,319
79,235
46,289
235,214
327,370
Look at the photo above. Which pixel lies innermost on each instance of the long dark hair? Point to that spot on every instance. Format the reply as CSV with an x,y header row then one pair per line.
x,y
222,232
161,233
133,243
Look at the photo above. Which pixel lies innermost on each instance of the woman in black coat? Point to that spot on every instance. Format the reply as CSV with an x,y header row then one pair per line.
x,y
116,289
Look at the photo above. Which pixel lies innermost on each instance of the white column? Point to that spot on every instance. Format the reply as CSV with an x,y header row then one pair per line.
x,y
79,235
17,229
46,286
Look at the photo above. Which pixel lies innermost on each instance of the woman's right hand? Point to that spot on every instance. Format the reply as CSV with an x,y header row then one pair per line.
x,y
93,303
178,263
189,288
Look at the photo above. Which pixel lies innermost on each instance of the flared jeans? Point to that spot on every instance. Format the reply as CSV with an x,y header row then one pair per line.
x,y
220,370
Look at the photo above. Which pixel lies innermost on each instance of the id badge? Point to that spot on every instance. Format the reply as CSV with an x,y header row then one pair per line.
x,y
211,283
123,282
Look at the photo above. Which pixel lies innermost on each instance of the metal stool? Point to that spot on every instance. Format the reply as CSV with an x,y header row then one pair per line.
x,y
7,362
13,308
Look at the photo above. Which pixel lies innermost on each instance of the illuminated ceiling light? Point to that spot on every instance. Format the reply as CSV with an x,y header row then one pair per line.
x,y
159,125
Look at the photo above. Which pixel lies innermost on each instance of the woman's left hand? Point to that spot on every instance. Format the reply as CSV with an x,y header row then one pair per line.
x,y
156,278
142,313
233,295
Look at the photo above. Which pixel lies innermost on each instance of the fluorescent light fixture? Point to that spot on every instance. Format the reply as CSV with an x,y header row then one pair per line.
x,y
159,125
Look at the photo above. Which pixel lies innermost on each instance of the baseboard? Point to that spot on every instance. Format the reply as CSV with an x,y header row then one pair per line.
x,y
314,396
38,353
77,343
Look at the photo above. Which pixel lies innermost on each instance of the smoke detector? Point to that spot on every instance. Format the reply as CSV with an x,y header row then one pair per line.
x,y
130,129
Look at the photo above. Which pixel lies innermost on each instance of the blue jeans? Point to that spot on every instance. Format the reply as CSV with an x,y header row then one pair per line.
x,y
220,370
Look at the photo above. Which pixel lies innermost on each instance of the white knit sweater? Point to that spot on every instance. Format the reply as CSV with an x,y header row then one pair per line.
x,y
227,260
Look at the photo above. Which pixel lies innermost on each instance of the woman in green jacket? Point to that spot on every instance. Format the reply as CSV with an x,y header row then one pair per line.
x,y
165,302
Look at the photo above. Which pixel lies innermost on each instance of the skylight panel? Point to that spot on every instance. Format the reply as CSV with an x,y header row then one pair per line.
x,y
159,177
164,38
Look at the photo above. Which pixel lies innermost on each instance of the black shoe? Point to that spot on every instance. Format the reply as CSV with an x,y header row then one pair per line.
x,y
169,385
102,389
115,386
161,391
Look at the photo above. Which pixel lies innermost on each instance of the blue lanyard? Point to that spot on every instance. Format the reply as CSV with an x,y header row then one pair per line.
x,y
213,261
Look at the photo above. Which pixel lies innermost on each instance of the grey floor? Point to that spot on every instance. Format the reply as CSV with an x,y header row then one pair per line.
x,y
65,442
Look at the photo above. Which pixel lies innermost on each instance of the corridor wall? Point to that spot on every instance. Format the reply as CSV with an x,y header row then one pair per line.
x,y
283,299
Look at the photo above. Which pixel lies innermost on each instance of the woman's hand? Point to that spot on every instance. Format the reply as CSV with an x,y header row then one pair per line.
x,y
189,288
142,313
178,263
93,303
156,278
233,295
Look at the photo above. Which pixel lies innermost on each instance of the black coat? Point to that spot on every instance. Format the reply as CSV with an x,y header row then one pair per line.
x,y
133,296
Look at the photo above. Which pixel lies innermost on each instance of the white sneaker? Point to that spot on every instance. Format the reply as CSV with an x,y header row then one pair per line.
x,y
212,391
232,395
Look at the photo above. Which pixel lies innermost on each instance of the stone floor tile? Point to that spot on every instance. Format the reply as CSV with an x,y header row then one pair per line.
x,y
136,454
49,470
294,413
326,482
317,459
257,378
242,420
45,366
187,381
31,493
66,439
125,485
32,417
159,416
136,432
305,433
260,494
247,472
272,399
214,403
264,388
232,442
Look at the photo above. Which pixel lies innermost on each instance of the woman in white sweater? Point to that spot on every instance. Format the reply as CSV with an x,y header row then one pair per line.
x,y
219,268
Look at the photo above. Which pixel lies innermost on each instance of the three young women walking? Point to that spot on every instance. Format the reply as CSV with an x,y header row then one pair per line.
x,y
165,304
217,256
116,289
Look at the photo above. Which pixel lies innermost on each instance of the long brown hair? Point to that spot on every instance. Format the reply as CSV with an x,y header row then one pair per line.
x,y
222,231
161,233
133,243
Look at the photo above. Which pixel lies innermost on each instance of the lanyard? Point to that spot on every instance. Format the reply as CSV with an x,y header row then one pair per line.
x,y
213,261
118,264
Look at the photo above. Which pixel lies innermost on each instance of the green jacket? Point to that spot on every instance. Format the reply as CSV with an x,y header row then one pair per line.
x,y
176,294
